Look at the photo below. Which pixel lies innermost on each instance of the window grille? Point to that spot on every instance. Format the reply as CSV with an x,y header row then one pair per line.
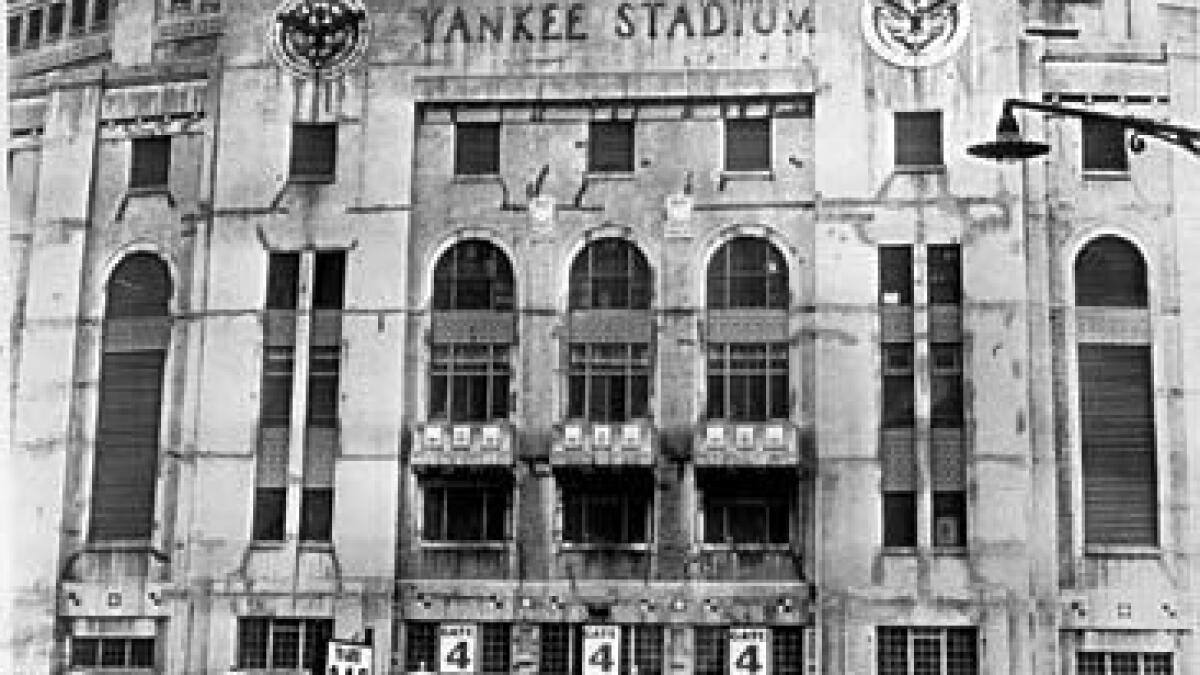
x,y
787,650
747,272
555,654
608,382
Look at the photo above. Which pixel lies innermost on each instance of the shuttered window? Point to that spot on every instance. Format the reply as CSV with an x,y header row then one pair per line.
x,y
918,139
1120,488
748,144
314,153
150,166
1104,146
476,149
610,147
1110,272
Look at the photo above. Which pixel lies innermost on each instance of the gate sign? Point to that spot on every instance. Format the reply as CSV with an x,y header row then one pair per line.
x,y
601,650
748,652
348,658
456,648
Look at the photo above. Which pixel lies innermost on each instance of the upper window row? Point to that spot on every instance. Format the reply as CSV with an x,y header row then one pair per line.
x,y
51,22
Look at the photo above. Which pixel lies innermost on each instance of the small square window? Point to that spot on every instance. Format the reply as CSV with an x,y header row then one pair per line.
x,y
150,166
748,144
314,153
1104,146
610,147
918,139
476,149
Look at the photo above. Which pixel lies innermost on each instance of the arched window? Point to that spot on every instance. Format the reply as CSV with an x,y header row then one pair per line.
x,y
747,272
136,334
610,273
473,274
1110,272
1116,402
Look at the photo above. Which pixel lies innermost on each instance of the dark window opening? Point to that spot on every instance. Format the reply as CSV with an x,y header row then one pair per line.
x,y
316,514
277,386
945,275
747,508
555,653
918,139
266,643
787,650
1110,272
14,36
895,275
270,509
99,14
902,650
150,166
947,385
323,378
78,16
950,518
140,286
608,382
473,274
33,22
466,512
642,646
748,144
900,519
610,273
899,404
314,153
748,382
54,27
496,648
329,279
712,650
1124,663
614,509
283,280
1104,146
112,652
476,149
610,147
469,382
420,647
747,272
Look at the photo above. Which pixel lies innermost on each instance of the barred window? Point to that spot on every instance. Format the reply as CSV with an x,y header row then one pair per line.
x,y
609,509
610,147
712,650
496,657
747,272
1124,663
112,652
473,274
904,650
476,148
469,382
266,642
748,382
420,647
555,654
610,273
466,512
608,382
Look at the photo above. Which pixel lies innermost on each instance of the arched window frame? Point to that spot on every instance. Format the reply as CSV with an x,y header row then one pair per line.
x,y
726,280
624,282
453,278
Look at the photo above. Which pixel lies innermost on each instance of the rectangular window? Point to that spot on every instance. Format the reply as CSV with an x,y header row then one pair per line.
x,y
946,385
1104,146
899,519
642,646
1124,663
945,275
950,518
555,653
469,382
753,509
283,280
14,35
608,382
496,648
270,510
55,23
610,147
314,153
33,24
329,279
787,650
614,509
78,16
99,14
150,165
748,382
898,384
420,647
316,514
748,144
476,149
267,642
323,377
918,138
277,386
112,652
903,650
466,512
895,275
712,650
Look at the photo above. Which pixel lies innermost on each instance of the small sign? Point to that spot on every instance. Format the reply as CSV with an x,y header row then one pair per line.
x,y
601,650
348,658
456,648
748,652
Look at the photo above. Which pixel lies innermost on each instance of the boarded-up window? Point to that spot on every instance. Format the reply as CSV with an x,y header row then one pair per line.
x,y
1110,272
610,273
1120,487
918,139
610,147
747,272
476,149
473,274
1104,146
150,166
314,153
895,275
748,144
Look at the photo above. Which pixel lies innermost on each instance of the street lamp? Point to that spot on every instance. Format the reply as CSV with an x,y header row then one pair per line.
x,y
1010,146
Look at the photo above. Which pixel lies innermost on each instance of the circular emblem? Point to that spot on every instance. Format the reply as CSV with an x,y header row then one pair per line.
x,y
915,33
319,38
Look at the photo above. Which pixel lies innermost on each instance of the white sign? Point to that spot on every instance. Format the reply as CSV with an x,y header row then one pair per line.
x,y
748,652
601,650
456,648
345,658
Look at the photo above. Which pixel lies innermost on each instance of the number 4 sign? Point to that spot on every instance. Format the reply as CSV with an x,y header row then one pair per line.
x,y
600,649
748,651
456,648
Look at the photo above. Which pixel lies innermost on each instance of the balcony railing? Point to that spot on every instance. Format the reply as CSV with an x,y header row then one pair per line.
x,y
463,444
604,444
